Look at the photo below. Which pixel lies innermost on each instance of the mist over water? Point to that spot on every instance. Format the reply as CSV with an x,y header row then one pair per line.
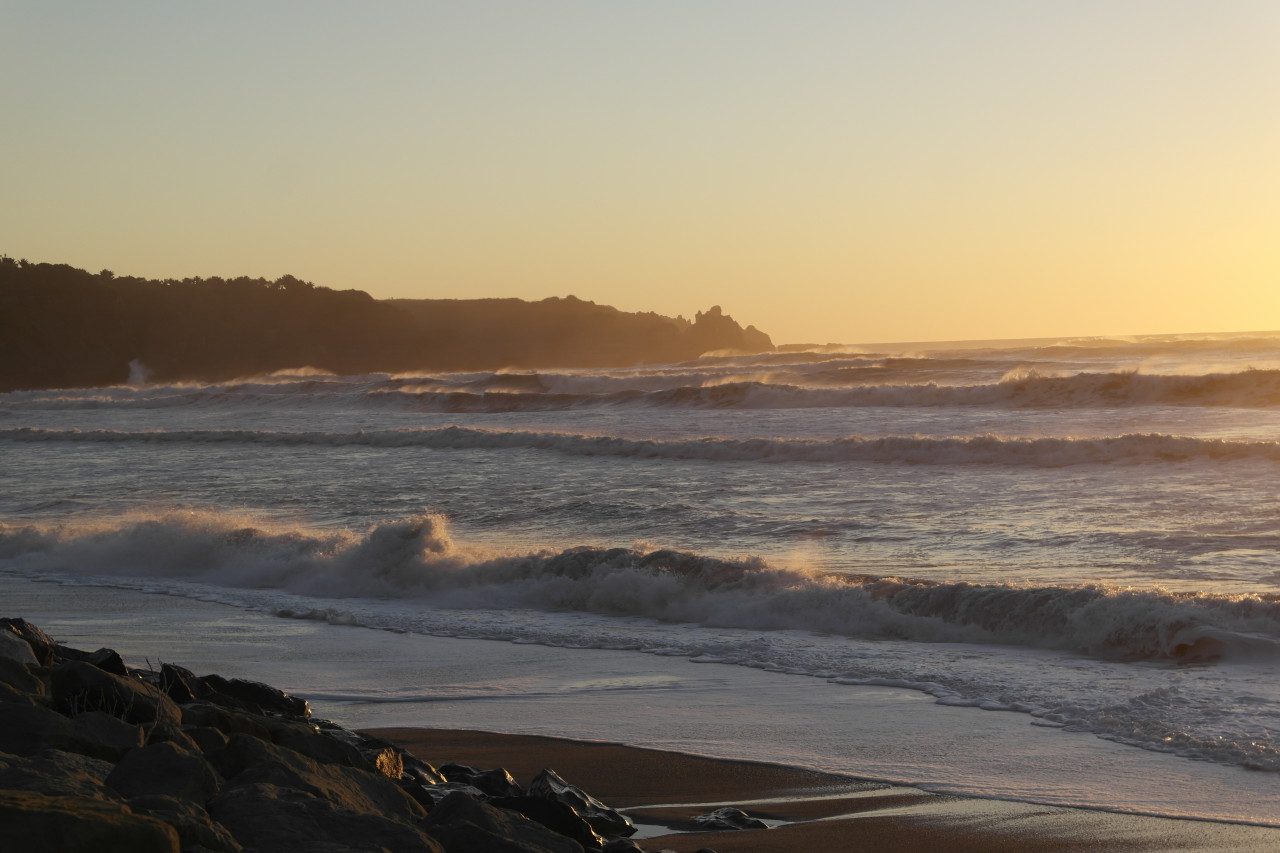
x,y
1087,533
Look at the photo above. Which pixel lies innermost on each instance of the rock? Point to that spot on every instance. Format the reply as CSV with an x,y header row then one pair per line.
x,y
16,649
421,771
39,823
178,684
41,644
267,817
169,733
56,772
603,819
227,721
246,760
454,772
622,845
729,818
112,738
28,729
435,793
165,768
109,660
206,738
555,816
259,697
466,825
318,745
24,681
79,686
193,823
497,783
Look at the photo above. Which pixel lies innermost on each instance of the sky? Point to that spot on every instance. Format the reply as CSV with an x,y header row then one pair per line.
x,y
827,170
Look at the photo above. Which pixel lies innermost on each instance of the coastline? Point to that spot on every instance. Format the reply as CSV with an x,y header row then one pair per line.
x,y
814,810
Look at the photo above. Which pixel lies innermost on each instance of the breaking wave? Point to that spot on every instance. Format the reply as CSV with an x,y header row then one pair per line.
x,y
894,383
416,559
914,450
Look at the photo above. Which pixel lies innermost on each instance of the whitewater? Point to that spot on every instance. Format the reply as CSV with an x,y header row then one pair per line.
x,y
1082,534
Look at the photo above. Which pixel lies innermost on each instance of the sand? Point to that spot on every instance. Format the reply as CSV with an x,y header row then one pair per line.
x,y
815,811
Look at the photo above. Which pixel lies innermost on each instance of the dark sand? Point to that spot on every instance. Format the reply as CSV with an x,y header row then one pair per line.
x,y
833,813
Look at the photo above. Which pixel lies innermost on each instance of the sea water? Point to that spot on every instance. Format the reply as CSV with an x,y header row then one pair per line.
x,y
1083,536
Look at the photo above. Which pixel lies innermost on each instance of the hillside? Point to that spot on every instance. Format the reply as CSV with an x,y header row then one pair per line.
x,y
65,327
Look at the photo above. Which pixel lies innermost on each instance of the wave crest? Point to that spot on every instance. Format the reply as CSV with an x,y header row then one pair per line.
x,y
416,559
913,450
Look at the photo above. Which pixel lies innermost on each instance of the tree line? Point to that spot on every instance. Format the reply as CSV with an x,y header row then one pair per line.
x,y
63,327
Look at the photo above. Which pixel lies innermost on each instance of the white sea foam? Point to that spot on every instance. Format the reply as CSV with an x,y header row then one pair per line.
x,y
847,384
914,450
417,558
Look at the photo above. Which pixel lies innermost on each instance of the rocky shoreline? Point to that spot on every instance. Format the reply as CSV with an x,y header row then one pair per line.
x,y
97,755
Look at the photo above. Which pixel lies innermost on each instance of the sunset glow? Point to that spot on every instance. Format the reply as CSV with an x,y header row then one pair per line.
x,y
827,171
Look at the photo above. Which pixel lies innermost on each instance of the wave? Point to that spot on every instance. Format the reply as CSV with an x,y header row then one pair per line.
x,y
913,450
416,559
833,385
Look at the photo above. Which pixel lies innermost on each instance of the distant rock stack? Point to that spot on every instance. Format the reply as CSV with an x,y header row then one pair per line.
x,y
99,757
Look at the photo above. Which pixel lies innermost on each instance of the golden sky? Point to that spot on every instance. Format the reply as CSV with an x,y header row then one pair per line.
x,y
829,170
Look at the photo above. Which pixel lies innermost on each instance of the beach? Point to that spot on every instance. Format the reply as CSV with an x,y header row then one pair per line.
x,y
809,808
817,811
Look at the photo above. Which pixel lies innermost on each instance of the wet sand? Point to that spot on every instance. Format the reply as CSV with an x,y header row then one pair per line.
x,y
816,811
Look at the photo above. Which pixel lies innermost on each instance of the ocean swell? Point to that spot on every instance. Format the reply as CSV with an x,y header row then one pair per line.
x,y
914,450
844,383
416,560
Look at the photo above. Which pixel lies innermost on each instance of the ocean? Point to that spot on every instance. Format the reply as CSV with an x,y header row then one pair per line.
x,y
1030,570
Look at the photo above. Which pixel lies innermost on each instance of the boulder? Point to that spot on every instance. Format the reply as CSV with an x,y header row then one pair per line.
x,y
206,738
305,739
421,772
497,783
169,733
622,845
28,729
25,682
41,644
430,795
59,773
79,686
194,825
165,768
109,660
555,816
604,820
40,823
112,738
246,760
256,696
268,817
178,684
225,720
454,772
16,649
467,825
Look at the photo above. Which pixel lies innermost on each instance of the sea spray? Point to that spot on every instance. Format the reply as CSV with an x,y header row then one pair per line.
x,y
417,559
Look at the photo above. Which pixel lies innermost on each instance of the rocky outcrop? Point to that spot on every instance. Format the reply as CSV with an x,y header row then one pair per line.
x,y
96,756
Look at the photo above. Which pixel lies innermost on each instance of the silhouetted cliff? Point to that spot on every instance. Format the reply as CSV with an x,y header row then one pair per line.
x,y
66,327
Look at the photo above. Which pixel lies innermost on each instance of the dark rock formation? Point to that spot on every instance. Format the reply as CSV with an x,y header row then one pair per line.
x,y
33,822
603,819
165,769
467,825
96,756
